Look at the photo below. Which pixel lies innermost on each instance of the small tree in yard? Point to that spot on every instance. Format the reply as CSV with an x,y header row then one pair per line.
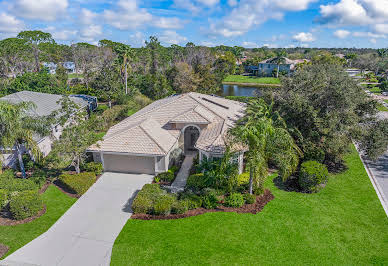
x,y
76,137
268,140
18,129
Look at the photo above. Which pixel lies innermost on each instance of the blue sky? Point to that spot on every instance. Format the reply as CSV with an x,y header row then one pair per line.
x,y
248,23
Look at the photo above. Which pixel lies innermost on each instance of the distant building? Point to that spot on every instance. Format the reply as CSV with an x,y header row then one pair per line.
x,y
268,66
52,67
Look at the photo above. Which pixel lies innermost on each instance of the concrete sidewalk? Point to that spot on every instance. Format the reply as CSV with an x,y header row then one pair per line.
x,y
85,234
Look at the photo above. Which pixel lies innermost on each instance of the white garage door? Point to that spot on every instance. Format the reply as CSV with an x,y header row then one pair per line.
x,y
129,164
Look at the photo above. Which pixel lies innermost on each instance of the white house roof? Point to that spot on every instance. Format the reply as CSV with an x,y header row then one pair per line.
x,y
150,130
45,103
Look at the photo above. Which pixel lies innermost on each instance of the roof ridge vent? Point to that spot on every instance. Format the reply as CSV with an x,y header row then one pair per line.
x,y
215,103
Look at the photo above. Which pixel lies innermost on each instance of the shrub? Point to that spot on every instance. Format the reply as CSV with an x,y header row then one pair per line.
x,y
243,179
193,201
312,175
9,182
162,205
142,204
249,199
166,176
180,206
39,178
25,204
3,198
174,169
78,183
196,182
234,200
210,199
93,167
7,174
101,108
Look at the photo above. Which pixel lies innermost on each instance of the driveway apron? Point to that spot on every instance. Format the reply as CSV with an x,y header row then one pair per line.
x,y
85,234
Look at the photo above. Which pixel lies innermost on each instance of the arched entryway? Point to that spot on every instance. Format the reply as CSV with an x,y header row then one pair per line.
x,y
191,134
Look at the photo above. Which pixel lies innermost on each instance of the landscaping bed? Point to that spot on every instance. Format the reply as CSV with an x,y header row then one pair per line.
x,y
254,208
7,220
3,250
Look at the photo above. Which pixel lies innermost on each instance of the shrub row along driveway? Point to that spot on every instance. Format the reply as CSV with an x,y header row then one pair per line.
x,y
84,235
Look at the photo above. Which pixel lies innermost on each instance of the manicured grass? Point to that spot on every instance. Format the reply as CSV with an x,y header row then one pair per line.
x,y
75,75
386,101
57,204
248,79
344,224
381,108
375,90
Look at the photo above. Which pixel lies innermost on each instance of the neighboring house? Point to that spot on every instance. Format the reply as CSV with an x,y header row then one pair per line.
x,y
147,141
353,72
268,66
69,66
252,69
52,67
45,105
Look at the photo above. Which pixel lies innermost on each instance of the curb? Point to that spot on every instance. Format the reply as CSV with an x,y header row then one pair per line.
x,y
376,186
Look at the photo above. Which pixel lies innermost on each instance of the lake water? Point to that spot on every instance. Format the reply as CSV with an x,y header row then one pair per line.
x,y
236,90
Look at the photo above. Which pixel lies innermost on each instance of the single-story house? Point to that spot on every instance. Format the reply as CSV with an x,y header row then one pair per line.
x,y
45,104
52,67
268,66
146,141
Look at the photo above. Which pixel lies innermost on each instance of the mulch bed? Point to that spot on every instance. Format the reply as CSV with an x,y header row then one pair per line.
x,y
3,250
254,208
6,219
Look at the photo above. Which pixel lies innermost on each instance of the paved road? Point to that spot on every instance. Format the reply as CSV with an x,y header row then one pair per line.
x,y
379,169
85,234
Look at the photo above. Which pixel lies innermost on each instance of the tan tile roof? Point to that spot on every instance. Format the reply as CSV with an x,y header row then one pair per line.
x,y
149,130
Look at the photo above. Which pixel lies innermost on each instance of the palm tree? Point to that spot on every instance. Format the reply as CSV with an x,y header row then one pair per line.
x,y
268,140
17,129
279,59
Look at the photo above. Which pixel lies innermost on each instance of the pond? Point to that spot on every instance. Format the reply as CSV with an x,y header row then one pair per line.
x,y
236,90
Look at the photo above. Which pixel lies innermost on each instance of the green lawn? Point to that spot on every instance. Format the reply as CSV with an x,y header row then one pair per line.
x,y
375,90
75,75
342,224
17,236
381,108
248,79
386,101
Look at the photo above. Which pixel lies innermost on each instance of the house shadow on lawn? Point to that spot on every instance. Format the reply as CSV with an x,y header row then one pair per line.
x,y
128,206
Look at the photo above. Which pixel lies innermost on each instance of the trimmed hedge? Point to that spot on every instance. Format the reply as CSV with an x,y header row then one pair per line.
x,y
180,206
249,199
234,200
25,204
93,167
78,183
166,176
151,199
193,201
196,182
17,184
243,179
3,198
312,175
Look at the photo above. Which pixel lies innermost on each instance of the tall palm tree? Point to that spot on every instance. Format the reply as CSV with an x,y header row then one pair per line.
x,y
18,129
268,140
279,59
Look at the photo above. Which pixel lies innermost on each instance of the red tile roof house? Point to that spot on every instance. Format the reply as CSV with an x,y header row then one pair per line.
x,y
144,142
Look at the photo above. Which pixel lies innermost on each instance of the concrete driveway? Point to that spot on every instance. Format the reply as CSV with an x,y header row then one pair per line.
x,y
85,234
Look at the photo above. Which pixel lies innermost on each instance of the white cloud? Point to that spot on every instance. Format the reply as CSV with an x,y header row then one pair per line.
x,y
208,2
368,35
232,2
62,35
381,28
87,16
250,13
172,37
354,13
373,41
208,43
91,32
304,37
137,39
168,23
9,24
127,15
271,45
195,5
250,45
46,10
342,34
